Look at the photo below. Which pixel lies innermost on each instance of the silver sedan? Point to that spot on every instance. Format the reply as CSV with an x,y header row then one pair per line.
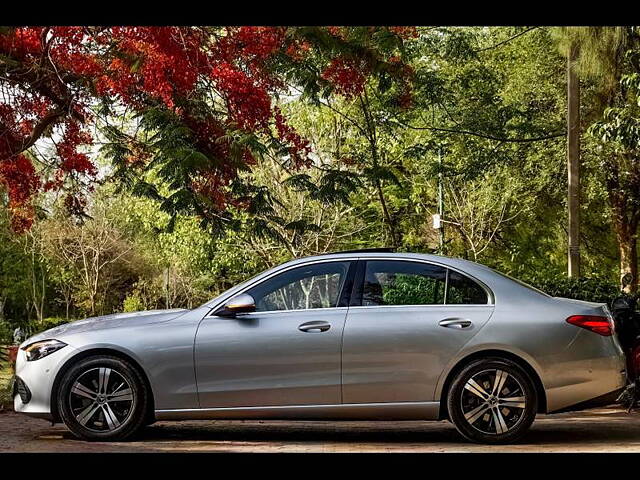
x,y
354,335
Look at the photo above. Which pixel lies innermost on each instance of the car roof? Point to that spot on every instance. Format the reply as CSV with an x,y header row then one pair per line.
x,y
456,263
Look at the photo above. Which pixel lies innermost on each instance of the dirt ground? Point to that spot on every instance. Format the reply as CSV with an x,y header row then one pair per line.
x,y
601,430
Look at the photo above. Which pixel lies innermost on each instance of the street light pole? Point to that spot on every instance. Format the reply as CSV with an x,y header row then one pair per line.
x,y
440,200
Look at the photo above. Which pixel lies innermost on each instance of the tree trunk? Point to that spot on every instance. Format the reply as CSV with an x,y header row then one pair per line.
x,y
373,145
573,164
625,217
387,216
627,246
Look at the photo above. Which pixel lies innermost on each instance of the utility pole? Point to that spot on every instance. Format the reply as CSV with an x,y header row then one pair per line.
x,y
440,200
573,163
438,218
165,285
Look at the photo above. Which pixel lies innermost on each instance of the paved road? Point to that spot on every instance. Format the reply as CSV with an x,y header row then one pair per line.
x,y
588,431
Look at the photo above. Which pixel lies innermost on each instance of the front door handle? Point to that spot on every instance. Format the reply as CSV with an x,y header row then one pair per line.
x,y
317,326
455,323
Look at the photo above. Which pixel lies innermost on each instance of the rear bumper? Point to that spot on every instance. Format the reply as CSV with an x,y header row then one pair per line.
x,y
586,382
601,401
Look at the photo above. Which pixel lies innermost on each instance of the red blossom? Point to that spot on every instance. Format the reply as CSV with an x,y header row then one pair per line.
x,y
348,75
297,50
298,147
405,32
19,178
211,187
210,182
260,42
249,107
69,50
72,160
21,218
405,76
338,32
22,42
61,71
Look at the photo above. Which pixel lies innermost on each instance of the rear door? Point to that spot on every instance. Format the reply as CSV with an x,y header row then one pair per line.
x,y
406,322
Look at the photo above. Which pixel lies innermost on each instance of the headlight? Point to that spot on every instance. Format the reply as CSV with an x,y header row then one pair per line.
x,y
38,350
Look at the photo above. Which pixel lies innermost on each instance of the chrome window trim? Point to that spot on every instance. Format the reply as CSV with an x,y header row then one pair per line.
x,y
490,296
278,272
270,312
437,305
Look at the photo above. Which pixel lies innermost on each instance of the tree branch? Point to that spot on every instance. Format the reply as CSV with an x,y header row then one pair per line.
x,y
505,41
482,135
40,127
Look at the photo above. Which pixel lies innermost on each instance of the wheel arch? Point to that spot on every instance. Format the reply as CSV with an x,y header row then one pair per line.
x,y
492,353
91,352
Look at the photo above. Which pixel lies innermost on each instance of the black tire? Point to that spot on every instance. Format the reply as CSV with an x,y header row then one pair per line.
x,y
489,419
116,417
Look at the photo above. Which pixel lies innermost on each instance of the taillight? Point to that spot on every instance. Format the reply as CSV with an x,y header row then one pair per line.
x,y
600,325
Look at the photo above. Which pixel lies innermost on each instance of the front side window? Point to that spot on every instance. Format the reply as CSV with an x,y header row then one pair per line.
x,y
388,282
462,290
310,286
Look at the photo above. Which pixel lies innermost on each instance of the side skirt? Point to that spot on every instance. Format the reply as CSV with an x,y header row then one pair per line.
x,y
354,411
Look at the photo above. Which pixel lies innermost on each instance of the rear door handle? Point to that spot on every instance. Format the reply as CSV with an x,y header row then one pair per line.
x,y
316,326
455,323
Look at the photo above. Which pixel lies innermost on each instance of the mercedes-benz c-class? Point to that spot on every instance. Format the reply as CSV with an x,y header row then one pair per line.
x,y
352,335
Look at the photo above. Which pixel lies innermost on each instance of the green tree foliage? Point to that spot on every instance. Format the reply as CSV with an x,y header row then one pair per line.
x,y
608,59
483,109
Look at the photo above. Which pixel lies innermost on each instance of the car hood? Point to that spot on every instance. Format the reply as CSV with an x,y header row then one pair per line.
x,y
107,321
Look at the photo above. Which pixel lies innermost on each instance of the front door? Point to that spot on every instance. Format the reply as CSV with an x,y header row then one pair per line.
x,y
400,334
285,353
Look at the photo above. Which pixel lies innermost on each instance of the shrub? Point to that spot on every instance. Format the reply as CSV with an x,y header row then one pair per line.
x,y
6,375
133,303
6,333
591,289
6,400
46,324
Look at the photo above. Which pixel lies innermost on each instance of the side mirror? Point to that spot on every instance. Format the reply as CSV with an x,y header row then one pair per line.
x,y
243,303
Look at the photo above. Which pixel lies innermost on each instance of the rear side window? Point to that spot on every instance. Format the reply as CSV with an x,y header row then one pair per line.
x,y
388,282
462,290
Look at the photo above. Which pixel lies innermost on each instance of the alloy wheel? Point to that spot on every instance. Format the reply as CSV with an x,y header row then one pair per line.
x,y
101,399
493,402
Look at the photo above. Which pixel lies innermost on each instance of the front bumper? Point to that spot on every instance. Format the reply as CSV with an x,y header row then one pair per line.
x,y
38,378
20,388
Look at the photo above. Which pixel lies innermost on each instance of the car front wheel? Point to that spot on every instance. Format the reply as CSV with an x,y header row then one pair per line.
x,y
102,398
493,401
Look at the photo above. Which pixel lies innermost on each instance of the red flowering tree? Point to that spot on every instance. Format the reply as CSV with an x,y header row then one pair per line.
x,y
199,105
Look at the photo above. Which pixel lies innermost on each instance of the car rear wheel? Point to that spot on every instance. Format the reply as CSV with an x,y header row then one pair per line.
x,y
103,398
492,401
